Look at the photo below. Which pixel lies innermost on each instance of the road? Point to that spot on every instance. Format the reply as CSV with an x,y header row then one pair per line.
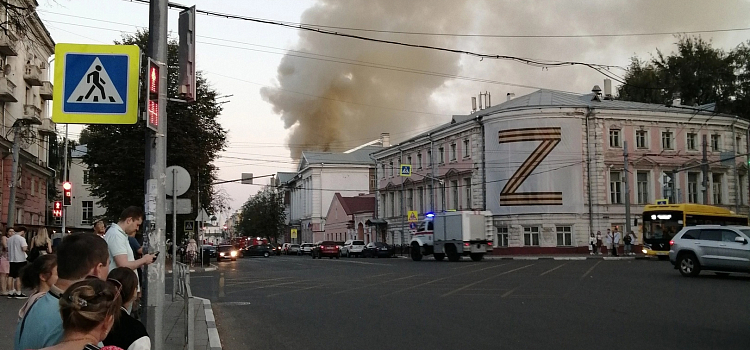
x,y
300,303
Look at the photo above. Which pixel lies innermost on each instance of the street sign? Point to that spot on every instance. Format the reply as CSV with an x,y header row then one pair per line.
x,y
96,84
181,181
405,170
294,233
413,225
412,216
189,225
202,216
184,206
662,201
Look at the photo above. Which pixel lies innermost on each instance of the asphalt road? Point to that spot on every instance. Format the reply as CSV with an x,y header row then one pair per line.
x,y
300,303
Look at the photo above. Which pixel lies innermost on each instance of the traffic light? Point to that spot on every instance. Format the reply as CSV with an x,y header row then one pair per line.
x,y
57,208
153,91
67,193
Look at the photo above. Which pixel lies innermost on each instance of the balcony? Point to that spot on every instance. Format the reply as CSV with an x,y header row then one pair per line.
x,y
33,75
7,90
32,112
45,91
8,43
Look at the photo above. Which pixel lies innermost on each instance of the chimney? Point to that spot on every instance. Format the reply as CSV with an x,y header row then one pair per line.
x,y
510,96
597,93
385,139
473,104
608,89
676,100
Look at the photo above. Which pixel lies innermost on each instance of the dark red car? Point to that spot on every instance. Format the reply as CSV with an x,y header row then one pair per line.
x,y
326,248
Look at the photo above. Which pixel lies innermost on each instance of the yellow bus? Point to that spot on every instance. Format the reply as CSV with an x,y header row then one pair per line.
x,y
662,221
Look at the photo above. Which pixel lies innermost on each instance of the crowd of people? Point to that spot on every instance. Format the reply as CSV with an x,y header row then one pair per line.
x,y
84,291
612,241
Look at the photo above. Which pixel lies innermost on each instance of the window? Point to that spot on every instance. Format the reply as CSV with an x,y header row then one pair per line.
x,y
728,236
420,199
614,138
391,165
692,187
710,235
692,141
373,181
467,149
409,199
408,160
743,189
642,184
382,170
383,201
33,186
715,143
392,206
615,187
453,151
429,193
88,212
641,139
419,160
429,157
467,193
531,236
502,236
85,177
454,187
441,155
666,140
717,187
564,236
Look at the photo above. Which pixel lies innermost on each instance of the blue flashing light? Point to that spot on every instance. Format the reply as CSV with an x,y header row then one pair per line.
x,y
430,215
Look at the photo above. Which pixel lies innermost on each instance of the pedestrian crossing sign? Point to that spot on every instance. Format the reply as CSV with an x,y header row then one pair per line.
x,y
96,84
294,233
412,216
405,170
189,225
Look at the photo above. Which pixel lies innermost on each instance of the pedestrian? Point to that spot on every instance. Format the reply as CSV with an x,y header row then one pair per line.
x,y
17,248
118,241
598,242
89,309
613,241
627,240
4,265
633,242
191,251
41,244
78,257
592,243
38,276
100,228
127,333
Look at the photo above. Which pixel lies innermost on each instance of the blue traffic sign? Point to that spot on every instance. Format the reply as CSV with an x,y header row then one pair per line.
x,y
405,170
98,84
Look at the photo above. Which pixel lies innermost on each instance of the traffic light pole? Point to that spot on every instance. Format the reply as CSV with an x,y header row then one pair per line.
x,y
154,176
65,175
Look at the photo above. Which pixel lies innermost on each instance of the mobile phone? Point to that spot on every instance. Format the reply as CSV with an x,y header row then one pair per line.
x,y
156,256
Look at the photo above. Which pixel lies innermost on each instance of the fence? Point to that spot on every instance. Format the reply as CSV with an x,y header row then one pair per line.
x,y
183,290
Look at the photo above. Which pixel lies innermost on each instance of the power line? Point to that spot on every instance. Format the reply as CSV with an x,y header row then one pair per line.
x,y
506,36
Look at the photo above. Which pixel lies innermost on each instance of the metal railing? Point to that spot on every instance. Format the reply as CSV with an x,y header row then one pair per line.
x,y
182,274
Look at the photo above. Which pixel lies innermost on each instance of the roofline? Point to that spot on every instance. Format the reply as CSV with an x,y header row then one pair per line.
x,y
429,134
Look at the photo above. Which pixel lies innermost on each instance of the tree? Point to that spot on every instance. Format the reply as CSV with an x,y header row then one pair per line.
x,y
697,71
263,215
116,153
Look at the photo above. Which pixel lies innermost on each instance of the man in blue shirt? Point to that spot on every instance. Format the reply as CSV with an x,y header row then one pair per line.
x,y
78,257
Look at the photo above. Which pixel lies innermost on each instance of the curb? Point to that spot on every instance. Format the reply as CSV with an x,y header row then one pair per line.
x,y
211,267
214,341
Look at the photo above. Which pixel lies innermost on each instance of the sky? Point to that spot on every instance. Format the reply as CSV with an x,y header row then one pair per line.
x,y
288,90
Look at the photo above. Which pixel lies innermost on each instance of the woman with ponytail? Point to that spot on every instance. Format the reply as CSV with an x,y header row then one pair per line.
x,y
38,276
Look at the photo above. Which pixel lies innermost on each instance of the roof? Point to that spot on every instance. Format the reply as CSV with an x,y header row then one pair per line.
x,y
79,151
284,177
554,98
359,157
356,205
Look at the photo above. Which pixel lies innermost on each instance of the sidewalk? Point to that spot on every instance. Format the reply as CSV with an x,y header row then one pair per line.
x,y
556,257
206,334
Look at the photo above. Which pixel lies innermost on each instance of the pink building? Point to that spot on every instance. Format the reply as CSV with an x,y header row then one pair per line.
x,y
347,218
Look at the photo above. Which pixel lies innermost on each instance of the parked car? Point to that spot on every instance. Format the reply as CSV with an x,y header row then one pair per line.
x,y
227,251
353,247
326,248
210,251
723,249
263,250
379,249
292,249
306,248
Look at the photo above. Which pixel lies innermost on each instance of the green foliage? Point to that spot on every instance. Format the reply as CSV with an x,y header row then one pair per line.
x,y
263,215
116,153
698,72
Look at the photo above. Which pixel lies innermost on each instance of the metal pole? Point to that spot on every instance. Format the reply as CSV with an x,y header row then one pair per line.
x,y
627,191
65,176
155,165
174,233
734,172
403,202
704,168
14,175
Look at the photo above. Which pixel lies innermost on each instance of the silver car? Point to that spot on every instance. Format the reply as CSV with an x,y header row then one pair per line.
x,y
711,247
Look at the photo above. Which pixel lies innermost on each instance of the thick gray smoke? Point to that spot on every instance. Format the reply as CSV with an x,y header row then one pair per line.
x,y
327,124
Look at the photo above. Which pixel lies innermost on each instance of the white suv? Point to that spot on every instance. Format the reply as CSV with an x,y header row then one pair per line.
x,y
353,248
722,249
306,248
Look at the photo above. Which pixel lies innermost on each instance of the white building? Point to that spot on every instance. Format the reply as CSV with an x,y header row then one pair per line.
x,y
85,209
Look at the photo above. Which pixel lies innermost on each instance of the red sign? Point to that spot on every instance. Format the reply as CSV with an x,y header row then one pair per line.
x,y
57,209
153,113
153,81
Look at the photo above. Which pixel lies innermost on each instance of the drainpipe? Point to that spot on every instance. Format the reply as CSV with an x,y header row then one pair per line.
x,y
484,165
403,203
377,196
734,167
432,178
589,112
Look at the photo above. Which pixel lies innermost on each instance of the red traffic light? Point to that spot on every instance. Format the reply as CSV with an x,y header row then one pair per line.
x,y
67,185
57,209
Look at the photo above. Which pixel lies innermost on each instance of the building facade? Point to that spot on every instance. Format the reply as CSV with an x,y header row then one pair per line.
x,y
85,209
25,92
347,218
552,168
